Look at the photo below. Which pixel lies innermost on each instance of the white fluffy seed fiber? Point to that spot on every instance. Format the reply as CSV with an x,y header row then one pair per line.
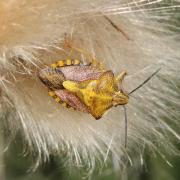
x,y
138,36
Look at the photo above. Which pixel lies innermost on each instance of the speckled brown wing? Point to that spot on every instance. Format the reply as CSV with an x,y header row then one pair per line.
x,y
80,73
52,78
72,100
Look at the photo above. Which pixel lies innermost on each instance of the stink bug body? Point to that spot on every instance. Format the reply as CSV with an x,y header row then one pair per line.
x,y
84,87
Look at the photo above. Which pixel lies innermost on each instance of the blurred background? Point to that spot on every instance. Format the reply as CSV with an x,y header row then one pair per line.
x,y
16,166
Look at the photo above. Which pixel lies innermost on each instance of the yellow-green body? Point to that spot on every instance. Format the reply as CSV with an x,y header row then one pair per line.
x,y
96,92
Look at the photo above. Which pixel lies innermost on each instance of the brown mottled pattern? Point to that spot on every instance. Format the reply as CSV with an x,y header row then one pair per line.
x,y
80,73
52,78
72,100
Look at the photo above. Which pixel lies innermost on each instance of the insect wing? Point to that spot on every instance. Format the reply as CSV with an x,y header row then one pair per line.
x,y
52,78
80,73
72,100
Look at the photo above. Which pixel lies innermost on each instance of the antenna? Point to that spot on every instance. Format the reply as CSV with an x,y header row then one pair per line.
x,y
125,120
124,107
145,81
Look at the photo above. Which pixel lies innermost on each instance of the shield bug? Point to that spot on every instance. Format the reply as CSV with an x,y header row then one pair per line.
x,y
87,88
84,87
